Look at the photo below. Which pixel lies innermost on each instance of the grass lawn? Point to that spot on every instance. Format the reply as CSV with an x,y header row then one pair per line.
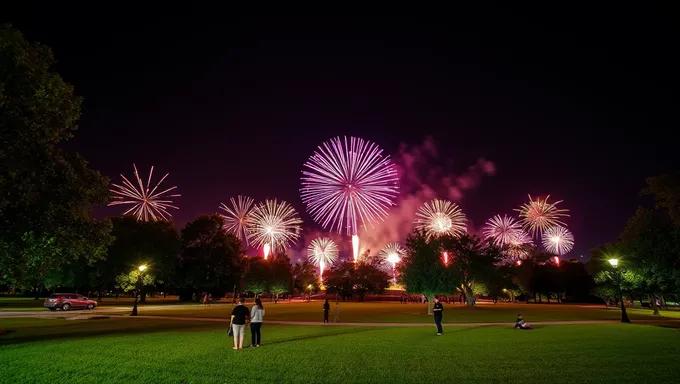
x,y
417,313
154,351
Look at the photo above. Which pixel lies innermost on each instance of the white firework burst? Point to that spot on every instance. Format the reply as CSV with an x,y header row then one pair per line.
x,y
236,218
392,253
558,240
322,252
147,203
441,217
274,223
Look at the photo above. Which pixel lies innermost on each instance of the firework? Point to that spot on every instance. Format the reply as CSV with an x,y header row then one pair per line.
x,y
558,240
441,217
503,230
347,184
322,252
147,204
537,215
392,253
355,247
274,223
236,219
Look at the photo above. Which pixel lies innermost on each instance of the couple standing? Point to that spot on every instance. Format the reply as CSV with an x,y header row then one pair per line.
x,y
240,316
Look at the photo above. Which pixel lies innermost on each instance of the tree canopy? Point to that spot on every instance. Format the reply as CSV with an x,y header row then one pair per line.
x,y
46,192
210,258
422,270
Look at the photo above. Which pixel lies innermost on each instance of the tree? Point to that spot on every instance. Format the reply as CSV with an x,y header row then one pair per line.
x,y
651,247
281,275
46,192
129,281
210,258
666,191
257,276
471,261
368,278
422,270
339,280
305,277
152,243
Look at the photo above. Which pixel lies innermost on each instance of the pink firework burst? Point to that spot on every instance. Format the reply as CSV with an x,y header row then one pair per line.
x,y
504,231
147,203
538,215
348,183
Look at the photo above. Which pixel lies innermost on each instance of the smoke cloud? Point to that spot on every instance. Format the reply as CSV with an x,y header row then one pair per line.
x,y
424,176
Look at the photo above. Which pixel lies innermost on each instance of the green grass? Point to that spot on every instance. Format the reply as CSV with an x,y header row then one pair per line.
x,y
417,313
155,351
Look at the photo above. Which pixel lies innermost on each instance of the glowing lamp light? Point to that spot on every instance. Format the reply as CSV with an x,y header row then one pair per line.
x,y
614,262
267,248
142,268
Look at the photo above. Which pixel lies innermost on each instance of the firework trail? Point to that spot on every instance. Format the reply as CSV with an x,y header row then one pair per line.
x,y
147,204
322,252
236,218
441,217
348,183
558,240
538,215
274,223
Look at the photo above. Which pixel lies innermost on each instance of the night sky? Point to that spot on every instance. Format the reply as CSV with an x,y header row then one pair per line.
x,y
572,103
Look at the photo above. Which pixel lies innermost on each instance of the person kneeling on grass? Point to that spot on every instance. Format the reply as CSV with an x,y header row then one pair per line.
x,y
521,324
239,316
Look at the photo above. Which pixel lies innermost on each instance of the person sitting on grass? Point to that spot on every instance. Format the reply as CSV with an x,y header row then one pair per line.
x,y
521,324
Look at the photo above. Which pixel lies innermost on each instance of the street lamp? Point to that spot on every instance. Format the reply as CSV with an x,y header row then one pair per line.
x,y
617,274
141,269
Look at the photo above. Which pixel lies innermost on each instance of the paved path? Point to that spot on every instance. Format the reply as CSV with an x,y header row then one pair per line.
x,y
84,316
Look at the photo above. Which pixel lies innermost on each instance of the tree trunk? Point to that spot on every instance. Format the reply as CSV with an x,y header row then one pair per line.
x,y
430,303
653,303
469,297
37,293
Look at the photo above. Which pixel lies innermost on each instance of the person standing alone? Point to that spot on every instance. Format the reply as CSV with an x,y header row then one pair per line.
x,y
326,310
256,315
239,317
438,313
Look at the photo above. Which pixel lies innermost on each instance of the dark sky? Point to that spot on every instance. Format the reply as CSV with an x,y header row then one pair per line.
x,y
575,103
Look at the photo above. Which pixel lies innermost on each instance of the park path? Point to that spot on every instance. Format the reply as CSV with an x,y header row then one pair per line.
x,y
355,324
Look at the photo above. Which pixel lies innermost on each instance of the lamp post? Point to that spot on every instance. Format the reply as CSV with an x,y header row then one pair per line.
x,y
615,264
141,269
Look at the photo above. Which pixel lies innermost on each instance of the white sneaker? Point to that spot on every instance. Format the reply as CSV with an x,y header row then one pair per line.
x,y
439,334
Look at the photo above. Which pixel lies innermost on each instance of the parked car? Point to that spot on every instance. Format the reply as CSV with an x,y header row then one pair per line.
x,y
66,301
